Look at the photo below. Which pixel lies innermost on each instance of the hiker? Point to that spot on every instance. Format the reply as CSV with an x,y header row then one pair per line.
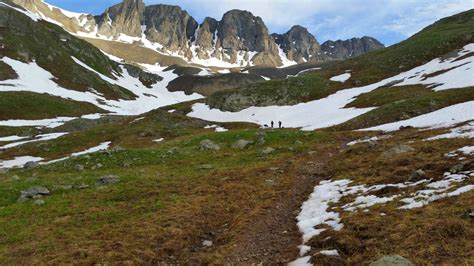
x,y
271,124
279,124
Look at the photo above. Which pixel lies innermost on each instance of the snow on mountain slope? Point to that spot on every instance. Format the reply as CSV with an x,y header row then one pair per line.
x,y
85,26
460,73
33,78
450,73
341,78
444,117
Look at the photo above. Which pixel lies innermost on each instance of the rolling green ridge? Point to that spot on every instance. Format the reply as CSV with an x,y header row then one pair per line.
x,y
29,105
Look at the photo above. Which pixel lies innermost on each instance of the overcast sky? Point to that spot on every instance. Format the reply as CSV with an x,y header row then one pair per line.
x,y
390,21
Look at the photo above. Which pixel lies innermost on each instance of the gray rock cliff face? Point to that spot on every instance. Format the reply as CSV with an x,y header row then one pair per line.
x,y
239,36
299,45
205,39
170,26
350,48
125,18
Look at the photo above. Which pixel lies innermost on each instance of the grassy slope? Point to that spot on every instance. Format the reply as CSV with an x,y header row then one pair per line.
x,y
439,39
165,205
436,234
28,105
399,103
25,40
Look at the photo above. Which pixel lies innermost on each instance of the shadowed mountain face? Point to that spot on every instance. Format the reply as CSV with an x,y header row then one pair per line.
x,y
298,44
125,18
350,48
238,39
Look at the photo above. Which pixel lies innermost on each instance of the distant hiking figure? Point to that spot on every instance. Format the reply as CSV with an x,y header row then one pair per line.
x,y
279,124
271,124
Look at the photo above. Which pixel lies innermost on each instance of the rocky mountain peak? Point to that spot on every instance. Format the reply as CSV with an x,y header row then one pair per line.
x,y
125,17
238,39
170,26
241,30
298,44
343,49
205,39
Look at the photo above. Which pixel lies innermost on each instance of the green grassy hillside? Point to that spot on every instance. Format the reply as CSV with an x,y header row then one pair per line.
x,y
28,105
52,48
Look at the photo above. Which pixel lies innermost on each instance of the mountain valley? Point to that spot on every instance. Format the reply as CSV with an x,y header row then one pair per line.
x,y
142,136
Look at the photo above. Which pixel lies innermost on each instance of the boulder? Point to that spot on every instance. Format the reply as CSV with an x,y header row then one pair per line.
x,y
395,260
458,168
79,167
267,151
208,145
241,144
33,192
107,180
417,175
30,165
397,150
206,167
207,243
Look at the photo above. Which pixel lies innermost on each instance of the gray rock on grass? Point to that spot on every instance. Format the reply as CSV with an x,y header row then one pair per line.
x,y
208,145
241,144
33,192
107,180
395,260
397,150
267,151
30,165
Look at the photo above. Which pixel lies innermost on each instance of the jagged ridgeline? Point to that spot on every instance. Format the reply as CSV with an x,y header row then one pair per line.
x,y
238,39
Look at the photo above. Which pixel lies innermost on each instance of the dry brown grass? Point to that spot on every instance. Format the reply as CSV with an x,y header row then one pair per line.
x,y
435,234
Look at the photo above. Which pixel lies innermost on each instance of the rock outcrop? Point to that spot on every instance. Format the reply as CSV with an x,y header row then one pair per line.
x,y
350,48
205,40
239,38
299,45
241,31
170,26
124,18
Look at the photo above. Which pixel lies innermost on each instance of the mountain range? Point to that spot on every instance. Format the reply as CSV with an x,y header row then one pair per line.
x,y
239,39
119,144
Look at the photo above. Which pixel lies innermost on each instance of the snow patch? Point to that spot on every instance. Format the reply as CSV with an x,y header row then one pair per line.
x,y
332,252
49,123
11,138
102,146
364,140
284,59
444,117
341,78
43,137
19,161
466,131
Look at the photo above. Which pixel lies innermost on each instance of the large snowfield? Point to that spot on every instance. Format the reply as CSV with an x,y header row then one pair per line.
x,y
330,111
